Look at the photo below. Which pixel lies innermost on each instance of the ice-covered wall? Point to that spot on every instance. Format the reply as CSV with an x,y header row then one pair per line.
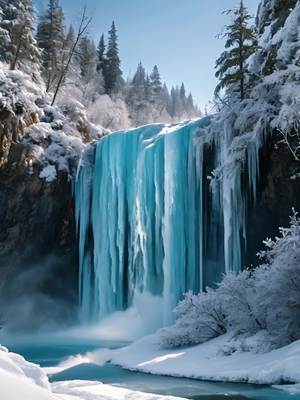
x,y
151,219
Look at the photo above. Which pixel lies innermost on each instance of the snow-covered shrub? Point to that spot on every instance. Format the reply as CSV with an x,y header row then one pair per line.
x,y
278,284
238,295
198,318
110,113
262,303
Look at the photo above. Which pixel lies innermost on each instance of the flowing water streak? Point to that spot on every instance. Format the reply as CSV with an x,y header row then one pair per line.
x,y
150,220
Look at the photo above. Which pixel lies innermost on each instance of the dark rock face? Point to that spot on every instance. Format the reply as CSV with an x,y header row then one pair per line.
x,y
38,252
277,195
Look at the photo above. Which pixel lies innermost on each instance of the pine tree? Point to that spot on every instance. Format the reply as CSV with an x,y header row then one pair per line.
x,y
241,43
112,73
87,58
148,89
101,62
17,44
139,81
165,95
68,54
190,107
156,85
51,39
182,95
70,38
137,96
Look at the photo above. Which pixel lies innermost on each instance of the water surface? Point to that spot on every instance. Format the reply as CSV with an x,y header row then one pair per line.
x,y
51,352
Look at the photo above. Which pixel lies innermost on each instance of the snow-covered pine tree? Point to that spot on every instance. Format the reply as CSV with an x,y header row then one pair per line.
x,y
113,73
240,44
17,44
51,40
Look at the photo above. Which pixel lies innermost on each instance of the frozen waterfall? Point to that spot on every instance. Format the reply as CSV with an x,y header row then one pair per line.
x,y
151,219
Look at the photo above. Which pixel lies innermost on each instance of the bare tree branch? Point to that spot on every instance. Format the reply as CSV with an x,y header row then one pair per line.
x,y
84,23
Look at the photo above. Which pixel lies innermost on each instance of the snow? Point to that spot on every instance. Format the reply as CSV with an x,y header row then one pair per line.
x,y
96,390
291,389
20,379
58,134
48,173
209,361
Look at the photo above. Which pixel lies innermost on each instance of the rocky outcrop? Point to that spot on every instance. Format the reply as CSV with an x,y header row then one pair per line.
x,y
38,254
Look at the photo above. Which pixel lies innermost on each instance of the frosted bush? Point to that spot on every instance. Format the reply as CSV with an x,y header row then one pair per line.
x,y
264,302
198,318
278,284
238,294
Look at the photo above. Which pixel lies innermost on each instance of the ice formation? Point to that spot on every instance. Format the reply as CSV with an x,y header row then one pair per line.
x,y
152,218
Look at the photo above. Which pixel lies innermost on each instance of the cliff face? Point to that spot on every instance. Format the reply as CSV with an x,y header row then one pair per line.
x,y
38,254
278,193
40,146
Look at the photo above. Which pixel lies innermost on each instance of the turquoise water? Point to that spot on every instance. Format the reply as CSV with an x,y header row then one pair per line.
x,y
53,352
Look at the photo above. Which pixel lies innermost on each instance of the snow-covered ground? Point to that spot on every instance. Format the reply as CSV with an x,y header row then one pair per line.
x,y
220,359
20,379
208,361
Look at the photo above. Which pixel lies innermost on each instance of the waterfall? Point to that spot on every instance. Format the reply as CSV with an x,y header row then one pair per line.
x,y
151,219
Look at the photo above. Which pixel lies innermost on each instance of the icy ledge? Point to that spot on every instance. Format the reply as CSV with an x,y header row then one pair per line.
x,y
20,379
209,362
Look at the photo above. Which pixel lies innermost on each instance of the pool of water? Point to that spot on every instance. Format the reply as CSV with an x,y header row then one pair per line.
x,y
49,353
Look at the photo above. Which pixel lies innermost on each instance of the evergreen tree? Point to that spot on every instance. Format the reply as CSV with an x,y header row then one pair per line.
x,y
51,39
156,85
17,44
87,58
101,62
112,73
165,96
137,96
138,84
182,95
240,44
148,89
70,38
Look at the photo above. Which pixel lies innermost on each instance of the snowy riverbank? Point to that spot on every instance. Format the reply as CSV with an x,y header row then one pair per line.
x,y
20,379
209,361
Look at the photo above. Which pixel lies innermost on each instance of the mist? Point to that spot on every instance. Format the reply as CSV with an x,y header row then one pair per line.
x,y
38,298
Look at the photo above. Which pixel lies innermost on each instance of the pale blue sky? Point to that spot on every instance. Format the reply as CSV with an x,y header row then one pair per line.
x,y
177,35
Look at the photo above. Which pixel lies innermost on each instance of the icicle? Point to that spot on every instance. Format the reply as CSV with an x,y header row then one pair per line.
x,y
149,220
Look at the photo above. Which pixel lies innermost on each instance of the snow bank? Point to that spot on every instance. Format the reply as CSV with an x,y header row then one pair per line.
x,y
209,361
20,379
291,389
96,390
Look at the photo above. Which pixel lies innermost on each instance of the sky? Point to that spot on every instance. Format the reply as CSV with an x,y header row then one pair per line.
x,y
177,35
